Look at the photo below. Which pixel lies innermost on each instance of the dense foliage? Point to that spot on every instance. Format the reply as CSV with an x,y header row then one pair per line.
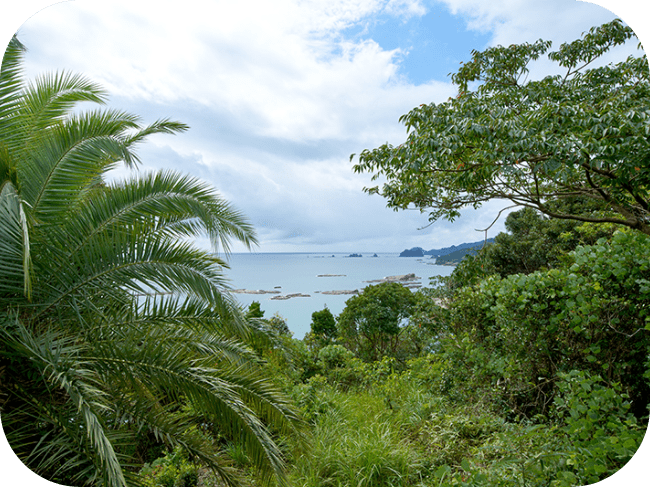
x,y
590,314
323,325
581,134
531,379
117,337
370,322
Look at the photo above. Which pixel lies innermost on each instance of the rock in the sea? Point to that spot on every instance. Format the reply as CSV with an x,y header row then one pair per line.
x,y
355,291
289,296
251,291
402,278
412,286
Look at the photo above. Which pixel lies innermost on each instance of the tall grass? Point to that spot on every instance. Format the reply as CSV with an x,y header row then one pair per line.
x,y
357,444
398,431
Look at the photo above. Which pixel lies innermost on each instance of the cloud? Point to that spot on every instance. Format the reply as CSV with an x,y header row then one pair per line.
x,y
285,67
519,21
278,94
514,21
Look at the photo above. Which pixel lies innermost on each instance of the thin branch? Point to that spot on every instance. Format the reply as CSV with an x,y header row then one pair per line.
x,y
491,224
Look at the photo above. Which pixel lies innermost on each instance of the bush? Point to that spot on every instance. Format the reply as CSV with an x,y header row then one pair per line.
x,y
172,470
313,398
369,325
602,435
334,356
323,325
514,335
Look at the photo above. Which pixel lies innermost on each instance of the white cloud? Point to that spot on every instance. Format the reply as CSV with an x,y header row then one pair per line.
x,y
406,8
519,21
278,94
513,21
284,65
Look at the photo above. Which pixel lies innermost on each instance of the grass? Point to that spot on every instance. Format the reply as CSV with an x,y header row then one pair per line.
x,y
357,443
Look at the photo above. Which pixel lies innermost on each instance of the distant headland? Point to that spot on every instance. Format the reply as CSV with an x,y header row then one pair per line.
x,y
435,253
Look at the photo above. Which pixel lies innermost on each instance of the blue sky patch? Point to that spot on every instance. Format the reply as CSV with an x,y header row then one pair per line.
x,y
433,45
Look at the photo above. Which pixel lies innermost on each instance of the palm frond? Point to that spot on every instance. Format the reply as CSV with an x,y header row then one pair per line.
x,y
163,126
51,97
163,202
130,326
15,257
73,382
157,265
10,84
63,160
169,370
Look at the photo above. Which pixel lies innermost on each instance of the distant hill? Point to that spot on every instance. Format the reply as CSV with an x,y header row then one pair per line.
x,y
414,252
455,257
420,252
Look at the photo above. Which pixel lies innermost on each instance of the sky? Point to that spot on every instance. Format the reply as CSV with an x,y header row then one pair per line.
x,y
279,94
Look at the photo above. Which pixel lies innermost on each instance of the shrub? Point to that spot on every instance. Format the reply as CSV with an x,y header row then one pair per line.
x,y
602,435
334,356
514,335
171,470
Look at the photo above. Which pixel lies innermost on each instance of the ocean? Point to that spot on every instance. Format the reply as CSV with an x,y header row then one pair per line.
x,y
282,274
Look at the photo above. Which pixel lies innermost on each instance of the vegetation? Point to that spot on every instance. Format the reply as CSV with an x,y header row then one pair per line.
x,y
455,257
529,364
531,379
123,360
581,134
532,242
117,337
370,323
323,326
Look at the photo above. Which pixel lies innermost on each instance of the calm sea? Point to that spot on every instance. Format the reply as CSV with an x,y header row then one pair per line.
x,y
293,273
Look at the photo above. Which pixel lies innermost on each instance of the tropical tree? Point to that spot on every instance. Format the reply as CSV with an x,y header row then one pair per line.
x,y
255,310
583,134
114,326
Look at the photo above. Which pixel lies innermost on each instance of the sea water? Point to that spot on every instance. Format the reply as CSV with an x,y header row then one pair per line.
x,y
297,273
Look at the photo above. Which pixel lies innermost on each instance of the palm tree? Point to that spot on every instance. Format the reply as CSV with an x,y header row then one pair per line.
x,y
113,325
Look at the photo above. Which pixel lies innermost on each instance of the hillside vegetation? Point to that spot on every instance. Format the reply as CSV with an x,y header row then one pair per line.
x,y
124,360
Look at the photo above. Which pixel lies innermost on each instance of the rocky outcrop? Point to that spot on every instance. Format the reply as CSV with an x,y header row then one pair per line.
x,y
289,296
402,279
251,291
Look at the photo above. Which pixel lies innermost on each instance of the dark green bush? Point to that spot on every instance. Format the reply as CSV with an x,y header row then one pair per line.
x,y
171,470
602,435
514,335
334,356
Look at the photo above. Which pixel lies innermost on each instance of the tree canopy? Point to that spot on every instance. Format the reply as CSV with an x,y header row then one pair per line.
x,y
323,324
581,134
535,242
370,322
